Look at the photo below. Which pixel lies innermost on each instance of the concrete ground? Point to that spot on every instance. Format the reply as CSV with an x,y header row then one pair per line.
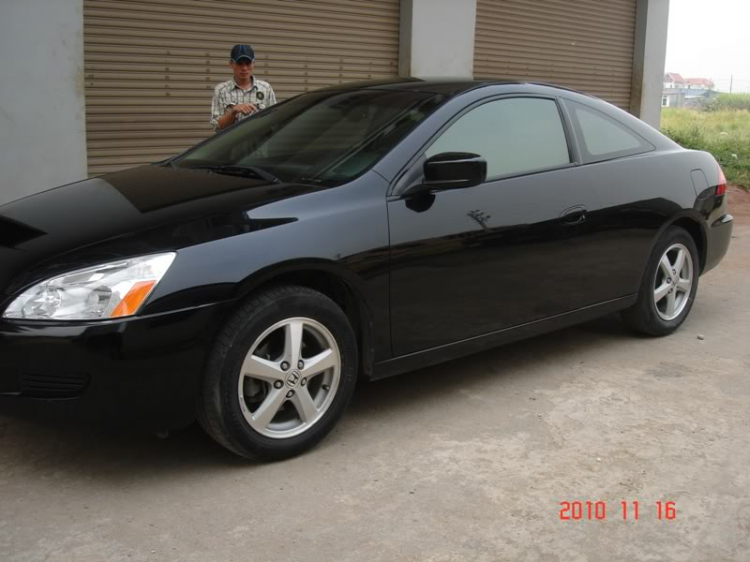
x,y
467,461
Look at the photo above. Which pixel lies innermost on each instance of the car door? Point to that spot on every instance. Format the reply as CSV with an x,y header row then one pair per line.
x,y
629,189
467,262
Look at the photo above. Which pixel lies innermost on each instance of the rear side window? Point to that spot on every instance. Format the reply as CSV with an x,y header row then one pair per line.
x,y
514,135
603,138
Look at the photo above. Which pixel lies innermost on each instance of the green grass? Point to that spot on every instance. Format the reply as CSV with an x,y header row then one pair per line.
x,y
730,101
725,133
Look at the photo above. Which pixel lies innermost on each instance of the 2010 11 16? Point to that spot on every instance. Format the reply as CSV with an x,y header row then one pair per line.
x,y
597,510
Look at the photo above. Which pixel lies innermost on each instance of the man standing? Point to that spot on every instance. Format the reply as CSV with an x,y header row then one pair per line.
x,y
243,95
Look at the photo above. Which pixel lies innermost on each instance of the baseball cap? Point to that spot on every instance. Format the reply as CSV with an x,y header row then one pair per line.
x,y
242,52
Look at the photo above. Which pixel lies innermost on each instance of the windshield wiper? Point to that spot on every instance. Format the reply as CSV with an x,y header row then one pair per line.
x,y
244,171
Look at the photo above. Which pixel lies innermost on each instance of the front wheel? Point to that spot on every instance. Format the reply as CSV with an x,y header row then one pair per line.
x,y
669,285
281,374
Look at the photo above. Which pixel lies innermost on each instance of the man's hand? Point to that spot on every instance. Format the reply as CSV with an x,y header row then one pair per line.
x,y
231,113
243,109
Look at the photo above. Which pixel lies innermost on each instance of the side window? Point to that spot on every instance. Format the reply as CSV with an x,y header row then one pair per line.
x,y
603,138
515,136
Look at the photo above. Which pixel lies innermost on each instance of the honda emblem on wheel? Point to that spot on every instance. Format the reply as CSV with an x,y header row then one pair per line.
x,y
292,379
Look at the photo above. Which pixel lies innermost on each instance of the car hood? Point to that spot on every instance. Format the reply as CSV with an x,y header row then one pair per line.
x,y
137,211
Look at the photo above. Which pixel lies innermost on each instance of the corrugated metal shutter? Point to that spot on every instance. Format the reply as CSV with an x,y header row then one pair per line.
x,y
151,65
581,44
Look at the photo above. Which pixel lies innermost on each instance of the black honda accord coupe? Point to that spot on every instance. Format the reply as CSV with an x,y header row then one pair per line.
x,y
354,232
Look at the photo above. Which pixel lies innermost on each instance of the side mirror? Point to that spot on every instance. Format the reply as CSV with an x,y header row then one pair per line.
x,y
454,170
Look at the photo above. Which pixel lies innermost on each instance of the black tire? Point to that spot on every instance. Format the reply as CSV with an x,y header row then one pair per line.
x,y
219,410
643,317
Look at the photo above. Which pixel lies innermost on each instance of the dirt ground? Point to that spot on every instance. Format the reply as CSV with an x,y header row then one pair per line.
x,y
739,201
470,460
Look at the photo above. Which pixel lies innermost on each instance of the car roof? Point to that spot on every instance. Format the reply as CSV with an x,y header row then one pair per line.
x,y
446,86
453,87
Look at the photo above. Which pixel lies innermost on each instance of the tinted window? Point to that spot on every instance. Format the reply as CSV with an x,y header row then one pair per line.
x,y
515,136
327,136
603,137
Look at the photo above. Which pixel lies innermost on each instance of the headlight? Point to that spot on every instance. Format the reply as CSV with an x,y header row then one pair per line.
x,y
112,290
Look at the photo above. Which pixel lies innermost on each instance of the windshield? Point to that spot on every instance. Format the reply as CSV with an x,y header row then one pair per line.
x,y
326,137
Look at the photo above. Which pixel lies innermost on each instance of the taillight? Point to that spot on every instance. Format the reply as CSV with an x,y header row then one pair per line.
x,y
722,187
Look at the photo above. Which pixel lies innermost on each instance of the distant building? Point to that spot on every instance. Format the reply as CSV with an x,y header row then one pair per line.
x,y
686,92
673,98
673,80
700,84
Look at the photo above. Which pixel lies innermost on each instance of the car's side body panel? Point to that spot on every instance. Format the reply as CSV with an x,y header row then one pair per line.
x,y
469,346
472,261
341,231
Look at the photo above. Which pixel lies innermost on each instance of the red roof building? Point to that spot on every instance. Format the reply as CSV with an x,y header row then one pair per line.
x,y
674,78
700,83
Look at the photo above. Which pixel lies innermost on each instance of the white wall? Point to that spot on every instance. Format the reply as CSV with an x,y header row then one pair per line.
x,y
42,119
437,38
649,58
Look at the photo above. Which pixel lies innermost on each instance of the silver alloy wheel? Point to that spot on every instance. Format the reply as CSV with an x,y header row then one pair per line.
x,y
673,282
289,378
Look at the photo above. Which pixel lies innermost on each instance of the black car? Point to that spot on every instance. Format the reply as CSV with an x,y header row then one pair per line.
x,y
359,231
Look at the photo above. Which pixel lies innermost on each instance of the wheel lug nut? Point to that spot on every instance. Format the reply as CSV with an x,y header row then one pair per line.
x,y
304,382
290,394
301,365
670,291
285,366
278,384
669,281
674,272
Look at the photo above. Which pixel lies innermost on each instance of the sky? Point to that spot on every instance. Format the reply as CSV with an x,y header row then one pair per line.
x,y
710,39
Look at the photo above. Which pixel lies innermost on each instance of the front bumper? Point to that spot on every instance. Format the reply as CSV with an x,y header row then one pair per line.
x,y
140,372
717,241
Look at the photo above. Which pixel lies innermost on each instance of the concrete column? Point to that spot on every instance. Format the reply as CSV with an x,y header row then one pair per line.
x,y
437,38
42,106
649,56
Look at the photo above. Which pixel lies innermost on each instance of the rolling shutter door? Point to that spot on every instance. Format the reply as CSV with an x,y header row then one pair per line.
x,y
581,44
151,65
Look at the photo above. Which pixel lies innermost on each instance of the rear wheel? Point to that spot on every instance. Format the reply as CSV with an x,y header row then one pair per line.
x,y
669,285
281,374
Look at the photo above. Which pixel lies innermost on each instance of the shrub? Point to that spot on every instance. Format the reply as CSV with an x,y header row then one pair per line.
x,y
723,133
729,102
